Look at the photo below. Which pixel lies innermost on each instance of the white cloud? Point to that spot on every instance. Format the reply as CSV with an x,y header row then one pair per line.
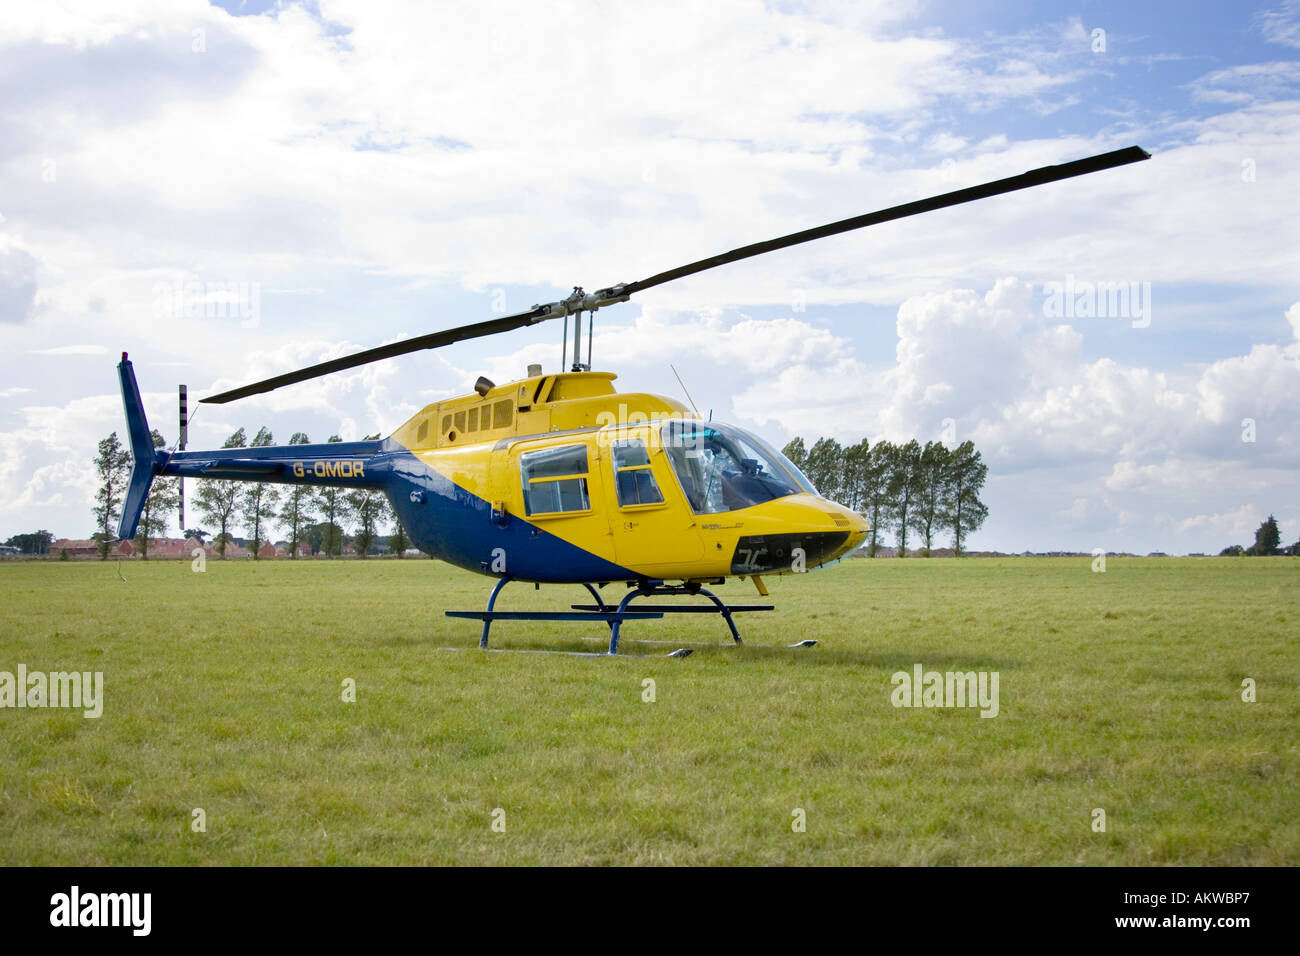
x,y
945,142
1281,24
72,350
17,283
1236,526
1140,447
1249,83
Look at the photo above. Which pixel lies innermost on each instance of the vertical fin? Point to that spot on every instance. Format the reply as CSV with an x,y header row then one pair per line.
x,y
143,459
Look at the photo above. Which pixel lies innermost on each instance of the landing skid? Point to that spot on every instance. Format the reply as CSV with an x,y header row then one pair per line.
x,y
720,644
680,652
614,616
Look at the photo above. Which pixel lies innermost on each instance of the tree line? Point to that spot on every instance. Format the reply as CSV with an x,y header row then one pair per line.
x,y
1268,541
37,542
919,492
311,516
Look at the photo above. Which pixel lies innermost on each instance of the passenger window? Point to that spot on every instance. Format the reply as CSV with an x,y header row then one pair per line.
x,y
632,475
555,480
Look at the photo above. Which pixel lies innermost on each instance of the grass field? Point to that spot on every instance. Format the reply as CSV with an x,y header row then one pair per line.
x,y
223,691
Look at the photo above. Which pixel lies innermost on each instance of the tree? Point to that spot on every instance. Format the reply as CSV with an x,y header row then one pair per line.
x,y
963,510
366,507
904,487
198,534
218,497
873,483
398,541
258,500
332,506
38,542
164,497
1232,551
322,535
825,468
113,468
932,493
1267,538
297,499
798,455
854,462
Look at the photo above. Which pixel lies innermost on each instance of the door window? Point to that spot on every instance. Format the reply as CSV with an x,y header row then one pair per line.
x,y
632,475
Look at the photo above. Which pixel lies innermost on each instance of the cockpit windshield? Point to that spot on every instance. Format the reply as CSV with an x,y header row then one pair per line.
x,y
724,468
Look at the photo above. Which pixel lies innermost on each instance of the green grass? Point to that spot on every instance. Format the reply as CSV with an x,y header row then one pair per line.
x,y
1119,690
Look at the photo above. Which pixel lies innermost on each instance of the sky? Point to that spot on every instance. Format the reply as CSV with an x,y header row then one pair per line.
x,y
228,191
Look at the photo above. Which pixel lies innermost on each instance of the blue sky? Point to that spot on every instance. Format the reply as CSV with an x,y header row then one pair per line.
x,y
375,170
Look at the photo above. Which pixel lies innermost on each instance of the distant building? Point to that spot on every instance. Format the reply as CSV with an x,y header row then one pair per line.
x,y
168,548
87,548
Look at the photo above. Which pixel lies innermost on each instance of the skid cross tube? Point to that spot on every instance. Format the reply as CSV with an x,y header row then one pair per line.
x,y
654,588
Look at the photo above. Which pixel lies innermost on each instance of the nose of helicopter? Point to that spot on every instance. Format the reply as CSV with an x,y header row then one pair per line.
x,y
797,533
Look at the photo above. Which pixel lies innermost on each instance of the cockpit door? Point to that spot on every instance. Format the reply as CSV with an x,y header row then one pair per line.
x,y
655,531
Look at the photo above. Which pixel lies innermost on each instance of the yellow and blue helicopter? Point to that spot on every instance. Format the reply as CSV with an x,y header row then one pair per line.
x,y
557,478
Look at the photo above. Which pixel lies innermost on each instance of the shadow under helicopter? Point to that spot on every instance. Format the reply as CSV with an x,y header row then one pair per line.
x,y
639,649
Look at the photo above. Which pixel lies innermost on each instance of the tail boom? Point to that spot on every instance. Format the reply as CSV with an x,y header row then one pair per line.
x,y
349,464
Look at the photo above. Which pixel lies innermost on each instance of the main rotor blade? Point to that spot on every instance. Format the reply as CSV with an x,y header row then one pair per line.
x,y
581,301
431,341
1035,177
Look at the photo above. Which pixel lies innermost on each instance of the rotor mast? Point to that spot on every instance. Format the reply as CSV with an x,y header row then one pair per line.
x,y
589,304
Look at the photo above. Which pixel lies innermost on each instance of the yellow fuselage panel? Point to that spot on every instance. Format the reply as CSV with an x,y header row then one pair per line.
x,y
533,406
666,539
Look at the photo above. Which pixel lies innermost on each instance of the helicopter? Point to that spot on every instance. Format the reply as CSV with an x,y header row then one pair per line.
x,y
557,478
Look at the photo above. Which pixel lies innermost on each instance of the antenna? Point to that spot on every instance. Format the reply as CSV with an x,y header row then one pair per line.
x,y
688,394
